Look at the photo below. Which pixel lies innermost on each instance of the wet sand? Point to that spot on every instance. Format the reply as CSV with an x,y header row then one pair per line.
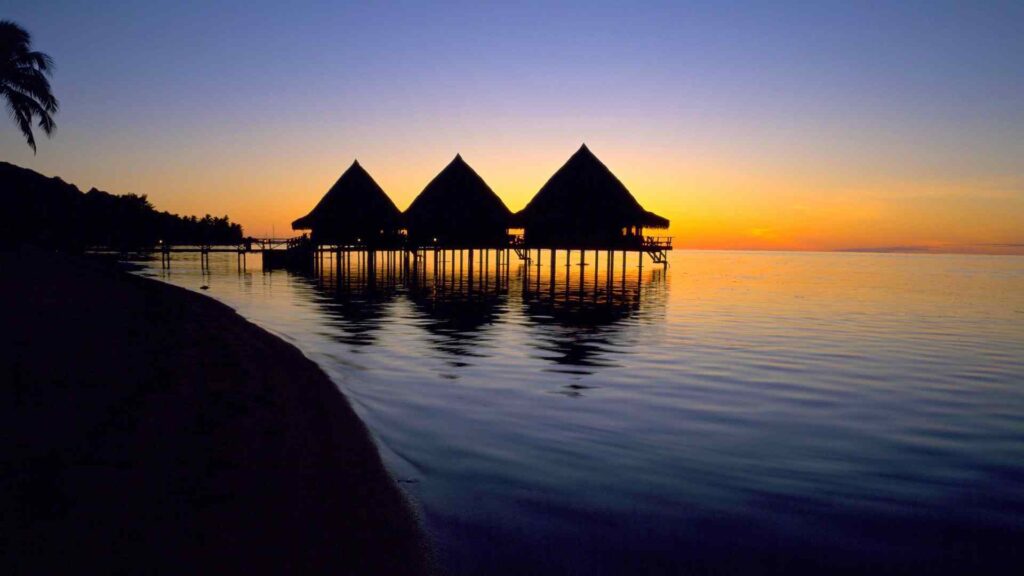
x,y
146,428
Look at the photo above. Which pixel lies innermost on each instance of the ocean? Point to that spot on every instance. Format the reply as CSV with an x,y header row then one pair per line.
x,y
730,413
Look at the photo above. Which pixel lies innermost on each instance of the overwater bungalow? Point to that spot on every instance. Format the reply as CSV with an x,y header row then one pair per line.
x,y
457,209
584,206
354,212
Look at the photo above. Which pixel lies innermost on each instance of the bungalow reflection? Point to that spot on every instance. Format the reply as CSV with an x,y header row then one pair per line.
x,y
457,321
582,304
581,330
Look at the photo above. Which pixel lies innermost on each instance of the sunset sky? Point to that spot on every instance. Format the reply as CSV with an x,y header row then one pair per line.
x,y
820,126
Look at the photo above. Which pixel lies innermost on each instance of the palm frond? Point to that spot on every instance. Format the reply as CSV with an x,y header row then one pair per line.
x,y
12,35
39,61
24,121
24,84
33,109
34,85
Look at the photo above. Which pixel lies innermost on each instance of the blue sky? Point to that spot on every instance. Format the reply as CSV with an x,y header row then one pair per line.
x,y
200,103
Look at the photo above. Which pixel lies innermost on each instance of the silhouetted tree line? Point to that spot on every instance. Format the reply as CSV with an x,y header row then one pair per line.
x,y
52,213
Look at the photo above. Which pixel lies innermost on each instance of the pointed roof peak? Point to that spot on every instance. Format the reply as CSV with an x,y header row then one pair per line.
x,y
585,156
458,163
585,184
458,189
355,168
354,200
585,152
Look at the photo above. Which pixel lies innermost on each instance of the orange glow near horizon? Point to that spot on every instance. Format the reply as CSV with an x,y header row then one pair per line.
x,y
847,127
714,199
711,203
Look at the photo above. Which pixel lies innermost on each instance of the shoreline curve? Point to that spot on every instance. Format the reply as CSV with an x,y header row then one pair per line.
x,y
148,428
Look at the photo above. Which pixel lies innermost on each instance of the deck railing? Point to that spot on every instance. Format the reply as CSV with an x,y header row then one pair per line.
x,y
249,244
657,243
644,242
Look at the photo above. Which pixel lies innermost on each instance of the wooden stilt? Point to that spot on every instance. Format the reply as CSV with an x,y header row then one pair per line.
x,y
640,272
372,267
552,254
526,272
568,268
583,262
608,266
497,270
623,270
538,270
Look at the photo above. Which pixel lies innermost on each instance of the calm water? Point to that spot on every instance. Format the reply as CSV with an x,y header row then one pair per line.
x,y
735,413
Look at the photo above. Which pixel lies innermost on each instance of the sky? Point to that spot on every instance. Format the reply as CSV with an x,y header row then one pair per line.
x,y
891,126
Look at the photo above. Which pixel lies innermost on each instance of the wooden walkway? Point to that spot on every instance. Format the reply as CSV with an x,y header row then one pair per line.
x,y
656,247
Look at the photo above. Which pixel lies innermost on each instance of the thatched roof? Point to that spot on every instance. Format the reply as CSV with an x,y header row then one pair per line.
x,y
457,204
355,202
584,193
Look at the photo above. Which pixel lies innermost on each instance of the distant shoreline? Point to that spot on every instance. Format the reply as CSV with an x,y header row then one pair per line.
x,y
149,428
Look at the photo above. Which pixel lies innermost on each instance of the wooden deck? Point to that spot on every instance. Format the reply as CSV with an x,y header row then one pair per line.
x,y
284,250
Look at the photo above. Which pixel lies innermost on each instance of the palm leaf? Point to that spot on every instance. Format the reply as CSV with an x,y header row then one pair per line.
x,y
24,84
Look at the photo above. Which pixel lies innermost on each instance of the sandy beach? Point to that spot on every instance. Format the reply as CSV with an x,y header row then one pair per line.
x,y
147,428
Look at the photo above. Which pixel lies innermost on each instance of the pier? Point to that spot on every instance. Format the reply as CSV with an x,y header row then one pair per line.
x,y
445,274
577,235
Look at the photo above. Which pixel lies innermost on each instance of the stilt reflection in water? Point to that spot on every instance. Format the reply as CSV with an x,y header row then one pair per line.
x,y
460,292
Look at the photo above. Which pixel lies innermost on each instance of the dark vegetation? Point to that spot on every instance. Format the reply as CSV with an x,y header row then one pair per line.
x,y
51,213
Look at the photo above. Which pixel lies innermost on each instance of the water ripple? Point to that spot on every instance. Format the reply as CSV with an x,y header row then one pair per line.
x,y
736,413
